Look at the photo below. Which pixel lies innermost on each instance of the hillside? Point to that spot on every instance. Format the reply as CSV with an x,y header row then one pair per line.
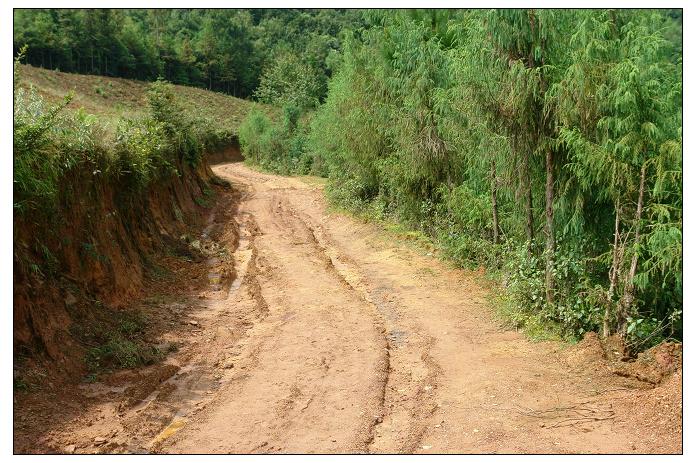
x,y
99,200
113,97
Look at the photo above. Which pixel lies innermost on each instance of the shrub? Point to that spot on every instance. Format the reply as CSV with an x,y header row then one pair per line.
x,y
277,146
179,130
142,149
252,130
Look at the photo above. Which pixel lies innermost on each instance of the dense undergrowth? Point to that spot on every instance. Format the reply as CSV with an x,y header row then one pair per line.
x,y
279,144
50,141
542,145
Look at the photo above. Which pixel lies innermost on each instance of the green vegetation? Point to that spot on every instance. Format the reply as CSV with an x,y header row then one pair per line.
x,y
542,144
50,142
279,146
222,50
128,99
117,343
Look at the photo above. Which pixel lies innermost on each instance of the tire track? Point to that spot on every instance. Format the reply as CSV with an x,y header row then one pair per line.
x,y
422,405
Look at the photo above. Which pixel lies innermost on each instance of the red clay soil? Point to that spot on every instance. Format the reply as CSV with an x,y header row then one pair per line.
x,y
100,241
301,330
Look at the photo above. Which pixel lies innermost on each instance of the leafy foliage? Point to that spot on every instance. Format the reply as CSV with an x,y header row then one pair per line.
x,y
482,128
544,145
226,50
278,146
50,142
288,81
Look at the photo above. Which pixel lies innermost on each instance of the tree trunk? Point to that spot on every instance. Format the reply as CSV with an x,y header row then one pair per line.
x,y
613,274
629,290
550,238
494,202
529,226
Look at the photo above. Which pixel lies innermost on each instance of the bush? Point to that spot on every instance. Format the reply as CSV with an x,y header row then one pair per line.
x,y
179,130
465,228
578,304
277,146
142,149
50,141
252,130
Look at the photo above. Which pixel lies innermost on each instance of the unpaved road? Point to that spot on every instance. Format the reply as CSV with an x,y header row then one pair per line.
x,y
369,346
336,338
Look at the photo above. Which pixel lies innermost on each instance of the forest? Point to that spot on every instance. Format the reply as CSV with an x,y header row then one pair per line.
x,y
220,49
542,145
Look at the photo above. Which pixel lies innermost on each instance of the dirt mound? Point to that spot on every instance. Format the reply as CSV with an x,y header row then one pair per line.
x,y
659,411
588,353
653,366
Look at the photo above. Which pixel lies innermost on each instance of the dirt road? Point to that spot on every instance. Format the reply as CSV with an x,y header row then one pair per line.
x,y
336,338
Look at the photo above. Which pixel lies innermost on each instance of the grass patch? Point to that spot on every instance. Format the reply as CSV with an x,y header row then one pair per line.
x,y
112,98
203,202
313,180
121,353
534,326
116,342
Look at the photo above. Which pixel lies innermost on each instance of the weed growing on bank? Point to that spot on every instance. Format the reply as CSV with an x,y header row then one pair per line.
x,y
50,142
117,343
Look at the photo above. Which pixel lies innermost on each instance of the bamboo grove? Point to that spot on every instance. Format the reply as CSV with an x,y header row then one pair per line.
x,y
544,145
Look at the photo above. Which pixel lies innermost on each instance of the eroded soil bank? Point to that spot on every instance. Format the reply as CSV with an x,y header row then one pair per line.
x,y
78,265
331,336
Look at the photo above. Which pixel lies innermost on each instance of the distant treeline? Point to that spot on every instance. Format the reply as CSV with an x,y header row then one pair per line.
x,y
224,50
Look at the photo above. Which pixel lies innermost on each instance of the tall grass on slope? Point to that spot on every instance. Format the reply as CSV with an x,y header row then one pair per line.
x,y
49,141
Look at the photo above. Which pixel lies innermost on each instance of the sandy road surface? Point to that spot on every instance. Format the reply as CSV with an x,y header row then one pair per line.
x,y
365,345
333,337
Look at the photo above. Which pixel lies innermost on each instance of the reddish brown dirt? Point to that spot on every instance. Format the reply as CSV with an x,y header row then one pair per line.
x,y
100,241
333,337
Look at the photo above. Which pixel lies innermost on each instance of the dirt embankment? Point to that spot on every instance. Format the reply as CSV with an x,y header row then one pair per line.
x,y
93,255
